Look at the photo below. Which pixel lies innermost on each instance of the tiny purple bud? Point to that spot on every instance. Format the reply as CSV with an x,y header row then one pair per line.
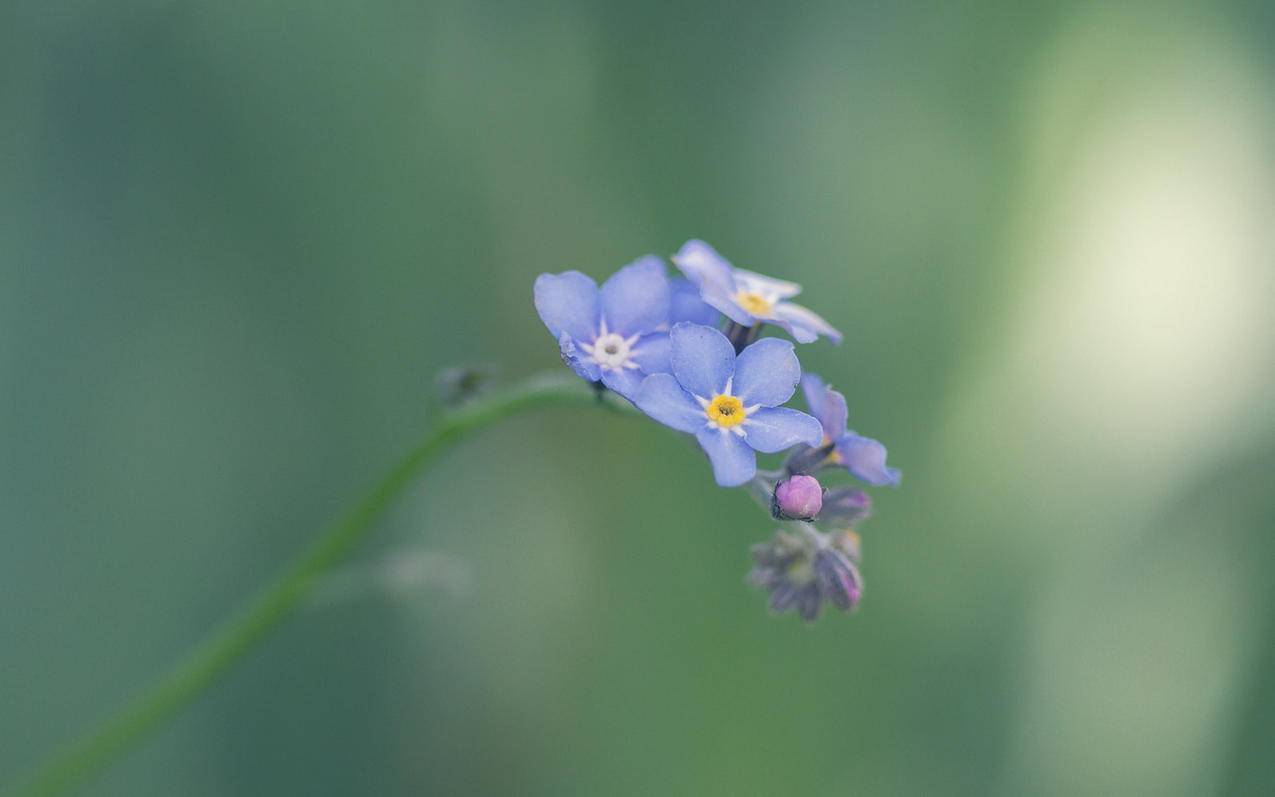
x,y
798,497
845,506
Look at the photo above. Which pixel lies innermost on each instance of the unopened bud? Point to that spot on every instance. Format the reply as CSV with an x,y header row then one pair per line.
x,y
845,506
798,497
809,459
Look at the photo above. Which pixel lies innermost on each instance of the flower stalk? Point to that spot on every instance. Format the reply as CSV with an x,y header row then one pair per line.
x,y
222,649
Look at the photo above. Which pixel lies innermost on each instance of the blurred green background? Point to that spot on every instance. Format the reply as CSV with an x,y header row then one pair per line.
x,y
238,239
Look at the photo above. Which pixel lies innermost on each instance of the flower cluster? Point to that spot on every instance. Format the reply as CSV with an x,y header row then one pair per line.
x,y
688,352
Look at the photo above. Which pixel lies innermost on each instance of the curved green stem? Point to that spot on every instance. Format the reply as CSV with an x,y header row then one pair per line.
x,y
201,668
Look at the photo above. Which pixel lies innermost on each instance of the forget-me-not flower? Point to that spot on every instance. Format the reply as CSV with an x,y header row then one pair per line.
x,y
862,456
731,404
610,335
656,341
748,298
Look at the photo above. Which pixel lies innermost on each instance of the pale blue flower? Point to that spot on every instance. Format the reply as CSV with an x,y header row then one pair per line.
x,y
610,335
748,298
862,456
731,404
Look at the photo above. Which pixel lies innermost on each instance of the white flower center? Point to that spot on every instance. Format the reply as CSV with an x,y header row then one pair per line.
x,y
611,351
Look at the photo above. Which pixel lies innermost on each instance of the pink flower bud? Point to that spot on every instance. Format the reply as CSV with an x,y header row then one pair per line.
x,y
798,497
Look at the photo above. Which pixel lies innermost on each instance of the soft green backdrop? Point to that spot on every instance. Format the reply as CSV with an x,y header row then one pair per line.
x,y
238,239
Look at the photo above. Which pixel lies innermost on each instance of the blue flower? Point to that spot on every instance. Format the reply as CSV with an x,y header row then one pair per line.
x,y
747,298
609,335
731,404
862,456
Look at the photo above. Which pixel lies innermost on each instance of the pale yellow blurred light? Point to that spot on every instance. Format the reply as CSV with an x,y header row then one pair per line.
x,y
1135,362
1150,328
1139,346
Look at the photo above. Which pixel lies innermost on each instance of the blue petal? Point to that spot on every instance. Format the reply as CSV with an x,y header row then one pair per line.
x,y
815,391
577,360
826,404
865,459
714,276
652,353
772,429
766,373
804,325
636,298
686,305
568,302
662,398
704,266
734,463
625,381
702,358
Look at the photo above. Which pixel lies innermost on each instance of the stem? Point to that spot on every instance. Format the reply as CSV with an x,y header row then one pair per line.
x,y
213,657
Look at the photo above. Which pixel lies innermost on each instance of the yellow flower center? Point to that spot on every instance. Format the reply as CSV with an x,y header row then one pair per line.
x,y
726,411
754,303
